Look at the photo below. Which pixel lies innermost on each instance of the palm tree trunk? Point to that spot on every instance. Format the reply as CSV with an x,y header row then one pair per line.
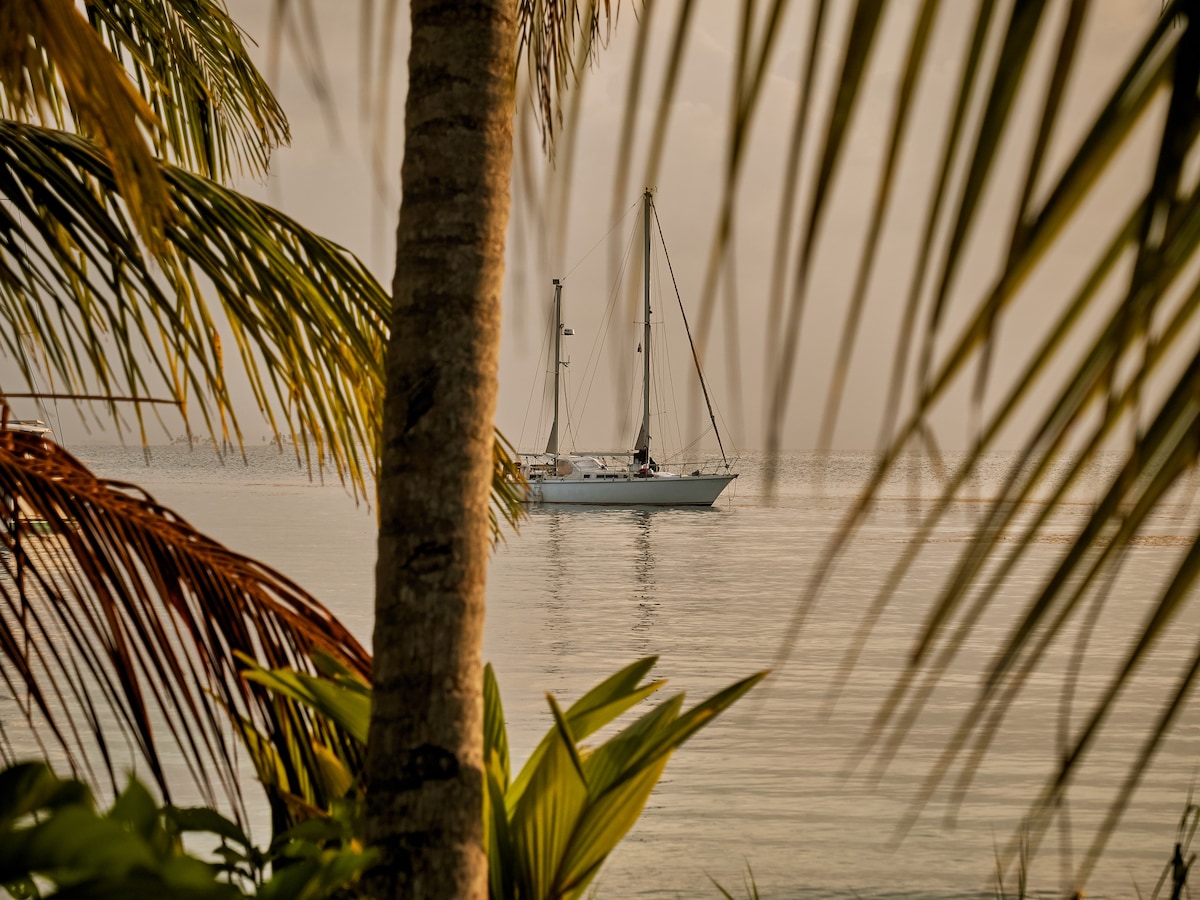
x,y
425,794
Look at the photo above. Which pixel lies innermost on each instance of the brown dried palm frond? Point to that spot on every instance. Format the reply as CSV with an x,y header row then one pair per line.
x,y
119,627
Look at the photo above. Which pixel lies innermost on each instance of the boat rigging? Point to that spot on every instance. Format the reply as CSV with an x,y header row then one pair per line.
x,y
636,478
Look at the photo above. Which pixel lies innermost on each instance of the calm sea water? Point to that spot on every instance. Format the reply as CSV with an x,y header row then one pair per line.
x,y
581,592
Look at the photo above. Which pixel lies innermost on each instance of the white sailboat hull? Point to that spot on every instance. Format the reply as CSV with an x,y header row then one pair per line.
x,y
659,490
32,426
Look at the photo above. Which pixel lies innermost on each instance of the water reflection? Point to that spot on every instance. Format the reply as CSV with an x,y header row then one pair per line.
x,y
643,569
599,557
556,607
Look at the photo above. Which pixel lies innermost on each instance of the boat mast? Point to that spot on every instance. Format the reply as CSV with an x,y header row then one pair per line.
x,y
646,203
552,445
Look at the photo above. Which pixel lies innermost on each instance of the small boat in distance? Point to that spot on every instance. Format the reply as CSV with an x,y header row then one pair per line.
x,y
630,478
30,426
12,514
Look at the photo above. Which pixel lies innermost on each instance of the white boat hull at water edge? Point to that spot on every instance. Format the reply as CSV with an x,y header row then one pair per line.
x,y
587,481
658,490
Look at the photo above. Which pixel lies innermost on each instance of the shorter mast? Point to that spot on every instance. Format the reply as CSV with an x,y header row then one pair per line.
x,y
552,444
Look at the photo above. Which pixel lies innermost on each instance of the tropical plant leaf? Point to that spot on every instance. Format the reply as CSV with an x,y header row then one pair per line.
x,y
202,818
495,734
541,821
1132,369
340,702
549,831
52,58
308,320
591,712
28,787
133,850
497,837
618,777
111,602
190,62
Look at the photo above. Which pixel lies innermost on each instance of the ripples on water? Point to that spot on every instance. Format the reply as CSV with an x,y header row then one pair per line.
x,y
581,592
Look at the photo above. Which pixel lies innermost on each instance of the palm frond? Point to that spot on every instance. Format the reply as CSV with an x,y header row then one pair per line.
x,y
182,67
54,65
905,95
859,40
1134,370
190,61
509,487
555,40
308,321
120,625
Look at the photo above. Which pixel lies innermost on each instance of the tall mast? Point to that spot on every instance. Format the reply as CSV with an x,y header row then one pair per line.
x,y
646,202
552,445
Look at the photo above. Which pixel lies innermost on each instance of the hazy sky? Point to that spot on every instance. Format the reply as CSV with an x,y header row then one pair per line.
x,y
324,179
326,183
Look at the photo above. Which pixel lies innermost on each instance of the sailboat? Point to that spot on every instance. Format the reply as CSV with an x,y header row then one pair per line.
x,y
631,478
12,515
30,426
27,426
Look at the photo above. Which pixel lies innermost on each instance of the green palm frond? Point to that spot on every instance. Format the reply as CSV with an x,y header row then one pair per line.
x,y
509,487
165,78
308,321
120,624
556,38
1132,382
53,65
550,829
190,61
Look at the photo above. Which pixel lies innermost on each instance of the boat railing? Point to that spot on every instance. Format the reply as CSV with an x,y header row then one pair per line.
x,y
535,465
693,466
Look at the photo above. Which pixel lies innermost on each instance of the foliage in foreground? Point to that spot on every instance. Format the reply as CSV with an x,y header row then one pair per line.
x,y
54,843
118,624
550,829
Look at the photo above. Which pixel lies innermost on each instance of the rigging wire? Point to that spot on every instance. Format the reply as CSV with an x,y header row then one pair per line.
x,y
667,407
542,352
665,373
39,399
593,366
699,371
615,226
